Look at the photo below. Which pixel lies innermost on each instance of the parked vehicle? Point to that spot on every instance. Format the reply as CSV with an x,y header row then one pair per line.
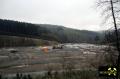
x,y
13,50
58,46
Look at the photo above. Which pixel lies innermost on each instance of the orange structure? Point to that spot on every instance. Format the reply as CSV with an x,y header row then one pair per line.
x,y
45,49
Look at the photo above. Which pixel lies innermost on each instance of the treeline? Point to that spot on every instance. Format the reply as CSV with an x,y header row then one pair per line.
x,y
14,41
15,28
48,32
110,37
68,35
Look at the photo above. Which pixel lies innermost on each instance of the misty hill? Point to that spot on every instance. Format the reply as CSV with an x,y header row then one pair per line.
x,y
72,35
47,32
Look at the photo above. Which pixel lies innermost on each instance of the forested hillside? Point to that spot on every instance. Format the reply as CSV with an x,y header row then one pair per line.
x,y
15,28
47,32
72,35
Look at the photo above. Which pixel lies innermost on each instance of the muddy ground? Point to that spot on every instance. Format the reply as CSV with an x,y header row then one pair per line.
x,y
33,59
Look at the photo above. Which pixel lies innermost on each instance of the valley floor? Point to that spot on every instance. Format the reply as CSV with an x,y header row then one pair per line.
x,y
34,60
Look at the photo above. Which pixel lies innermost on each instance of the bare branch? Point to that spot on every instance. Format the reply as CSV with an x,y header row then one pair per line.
x,y
106,10
118,23
101,3
115,1
117,11
106,18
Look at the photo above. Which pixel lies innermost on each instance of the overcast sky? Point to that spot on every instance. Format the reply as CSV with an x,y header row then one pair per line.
x,y
79,14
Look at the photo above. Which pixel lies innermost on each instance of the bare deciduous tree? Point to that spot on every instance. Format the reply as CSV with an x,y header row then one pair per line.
x,y
111,12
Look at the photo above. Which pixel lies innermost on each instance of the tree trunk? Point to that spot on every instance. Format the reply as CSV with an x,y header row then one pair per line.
x,y
117,38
